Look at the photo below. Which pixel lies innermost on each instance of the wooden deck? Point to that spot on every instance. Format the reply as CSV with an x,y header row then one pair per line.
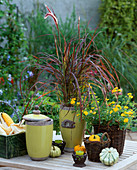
x,y
127,159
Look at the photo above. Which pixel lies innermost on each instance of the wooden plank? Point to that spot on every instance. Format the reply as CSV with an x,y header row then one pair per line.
x,y
126,163
128,158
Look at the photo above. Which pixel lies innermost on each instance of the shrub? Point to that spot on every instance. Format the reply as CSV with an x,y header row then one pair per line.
x,y
12,51
120,18
119,39
124,63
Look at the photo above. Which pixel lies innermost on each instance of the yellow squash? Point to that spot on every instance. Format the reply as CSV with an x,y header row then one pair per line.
x,y
94,138
8,120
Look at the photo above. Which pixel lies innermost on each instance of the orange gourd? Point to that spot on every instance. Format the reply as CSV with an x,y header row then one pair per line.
x,y
80,148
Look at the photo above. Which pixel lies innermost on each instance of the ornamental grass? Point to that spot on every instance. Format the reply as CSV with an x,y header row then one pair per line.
x,y
76,64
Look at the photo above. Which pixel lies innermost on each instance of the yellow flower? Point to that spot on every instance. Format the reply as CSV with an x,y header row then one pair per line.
x,y
85,112
123,114
115,90
125,107
125,120
129,94
119,90
115,109
97,101
106,99
111,111
118,106
131,97
113,102
92,107
78,114
72,101
94,113
126,112
90,111
130,113
73,98
78,103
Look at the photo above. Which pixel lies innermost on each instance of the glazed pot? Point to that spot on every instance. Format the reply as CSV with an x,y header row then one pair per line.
x,y
39,133
71,127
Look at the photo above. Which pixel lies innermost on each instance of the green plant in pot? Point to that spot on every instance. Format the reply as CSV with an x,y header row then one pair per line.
x,y
75,65
114,115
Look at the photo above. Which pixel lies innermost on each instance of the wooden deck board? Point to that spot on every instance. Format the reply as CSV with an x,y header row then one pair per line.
x,y
127,159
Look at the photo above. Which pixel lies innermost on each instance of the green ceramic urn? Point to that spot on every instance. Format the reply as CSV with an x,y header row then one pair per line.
x,y
39,132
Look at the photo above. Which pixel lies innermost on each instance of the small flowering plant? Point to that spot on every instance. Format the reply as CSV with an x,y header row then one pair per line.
x,y
116,109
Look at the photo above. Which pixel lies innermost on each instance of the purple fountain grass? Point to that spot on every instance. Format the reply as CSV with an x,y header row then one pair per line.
x,y
74,66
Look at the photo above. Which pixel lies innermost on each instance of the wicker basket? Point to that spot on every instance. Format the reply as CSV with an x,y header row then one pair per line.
x,y
95,147
117,136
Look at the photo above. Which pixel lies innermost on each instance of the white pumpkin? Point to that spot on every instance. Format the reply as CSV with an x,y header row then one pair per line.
x,y
109,156
55,151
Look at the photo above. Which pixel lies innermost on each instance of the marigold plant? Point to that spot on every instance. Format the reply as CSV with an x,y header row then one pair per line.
x,y
115,109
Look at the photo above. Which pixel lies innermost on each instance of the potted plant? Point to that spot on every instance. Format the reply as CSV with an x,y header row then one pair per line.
x,y
79,158
76,64
113,115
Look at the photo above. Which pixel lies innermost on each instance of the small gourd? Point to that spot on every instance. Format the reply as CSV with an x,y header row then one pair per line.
x,y
94,138
55,152
80,148
109,156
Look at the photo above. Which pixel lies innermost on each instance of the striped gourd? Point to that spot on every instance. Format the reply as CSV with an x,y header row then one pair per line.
x,y
109,156
55,152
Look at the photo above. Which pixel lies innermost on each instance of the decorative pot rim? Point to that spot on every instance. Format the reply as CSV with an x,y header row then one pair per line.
x,y
66,108
74,154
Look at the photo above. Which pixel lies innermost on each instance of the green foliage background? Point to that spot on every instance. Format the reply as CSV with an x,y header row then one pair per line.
x,y
13,47
119,16
119,41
